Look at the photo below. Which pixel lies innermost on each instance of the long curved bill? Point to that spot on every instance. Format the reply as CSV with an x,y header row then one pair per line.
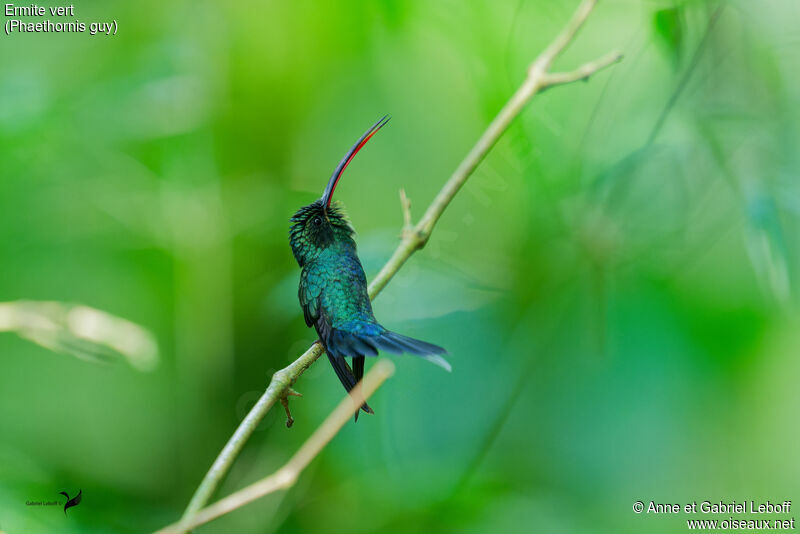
x,y
328,194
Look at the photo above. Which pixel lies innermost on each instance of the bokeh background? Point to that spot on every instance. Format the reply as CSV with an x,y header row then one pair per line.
x,y
616,284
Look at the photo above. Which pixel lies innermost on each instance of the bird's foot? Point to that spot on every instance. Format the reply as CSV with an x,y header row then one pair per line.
x,y
285,403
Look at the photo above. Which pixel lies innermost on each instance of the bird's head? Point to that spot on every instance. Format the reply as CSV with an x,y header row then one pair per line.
x,y
320,224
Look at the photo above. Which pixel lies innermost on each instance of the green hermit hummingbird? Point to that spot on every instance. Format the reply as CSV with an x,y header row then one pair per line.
x,y
333,287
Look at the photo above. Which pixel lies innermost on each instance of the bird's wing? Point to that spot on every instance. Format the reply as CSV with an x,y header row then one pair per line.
x,y
314,282
309,293
77,499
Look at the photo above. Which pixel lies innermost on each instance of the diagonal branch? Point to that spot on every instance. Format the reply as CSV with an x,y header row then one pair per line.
x,y
566,36
538,79
286,476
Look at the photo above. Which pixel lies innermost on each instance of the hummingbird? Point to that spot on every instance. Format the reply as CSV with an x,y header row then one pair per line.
x,y
333,287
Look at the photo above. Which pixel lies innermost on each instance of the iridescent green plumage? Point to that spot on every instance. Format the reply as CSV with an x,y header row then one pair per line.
x,y
333,287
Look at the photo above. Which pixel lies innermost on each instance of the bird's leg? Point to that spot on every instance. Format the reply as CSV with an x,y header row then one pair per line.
x,y
285,402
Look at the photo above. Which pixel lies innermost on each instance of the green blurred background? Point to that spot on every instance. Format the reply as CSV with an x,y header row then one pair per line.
x,y
616,284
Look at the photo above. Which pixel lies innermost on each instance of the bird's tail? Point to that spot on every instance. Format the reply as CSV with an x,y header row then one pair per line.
x,y
398,344
348,378
359,338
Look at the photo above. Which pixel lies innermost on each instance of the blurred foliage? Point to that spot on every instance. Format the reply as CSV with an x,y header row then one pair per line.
x,y
80,331
616,284
668,27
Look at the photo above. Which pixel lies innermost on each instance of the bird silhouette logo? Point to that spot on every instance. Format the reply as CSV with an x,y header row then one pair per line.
x,y
75,501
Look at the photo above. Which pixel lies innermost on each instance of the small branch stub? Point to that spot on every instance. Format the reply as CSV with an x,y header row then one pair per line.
x,y
405,205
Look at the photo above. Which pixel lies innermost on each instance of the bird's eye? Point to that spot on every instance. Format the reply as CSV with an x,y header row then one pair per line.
x,y
317,221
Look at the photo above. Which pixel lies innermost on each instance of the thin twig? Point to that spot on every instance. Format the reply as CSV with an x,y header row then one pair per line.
x,y
286,476
413,240
566,36
583,72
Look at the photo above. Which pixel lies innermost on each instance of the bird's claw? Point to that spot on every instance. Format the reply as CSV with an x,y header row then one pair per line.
x,y
289,419
289,392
